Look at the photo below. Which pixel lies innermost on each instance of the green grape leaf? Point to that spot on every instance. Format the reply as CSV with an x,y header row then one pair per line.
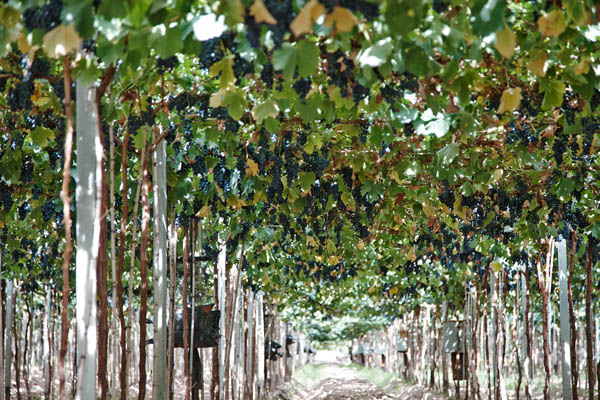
x,y
487,16
403,16
553,94
448,153
284,59
307,179
307,58
565,188
169,44
262,111
41,135
377,54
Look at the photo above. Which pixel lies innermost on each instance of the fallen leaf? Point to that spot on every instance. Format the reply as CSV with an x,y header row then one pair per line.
x,y
343,19
510,100
261,13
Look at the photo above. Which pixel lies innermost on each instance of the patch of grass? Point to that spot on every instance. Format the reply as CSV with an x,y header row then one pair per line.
x,y
308,373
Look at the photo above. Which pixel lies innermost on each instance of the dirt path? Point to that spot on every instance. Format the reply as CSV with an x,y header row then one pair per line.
x,y
337,381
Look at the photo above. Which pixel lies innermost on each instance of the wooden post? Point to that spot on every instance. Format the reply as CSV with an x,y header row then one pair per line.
x,y
565,327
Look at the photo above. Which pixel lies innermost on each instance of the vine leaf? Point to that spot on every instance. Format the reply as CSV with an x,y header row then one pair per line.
x,y
537,65
552,24
510,100
506,41
565,188
61,40
284,59
448,153
265,110
261,14
41,135
307,58
576,11
553,94
343,19
306,17
251,168
377,54
307,179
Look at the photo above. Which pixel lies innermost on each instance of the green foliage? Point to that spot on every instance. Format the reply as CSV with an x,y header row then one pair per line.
x,y
380,156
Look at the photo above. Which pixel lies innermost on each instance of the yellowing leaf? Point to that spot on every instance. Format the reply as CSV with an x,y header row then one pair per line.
x,y
204,212
496,266
251,168
216,100
506,41
333,260
538,65
393,290
343,19
582,67
510,100
61,41
552,24
261,13
306,17
411,254
311,241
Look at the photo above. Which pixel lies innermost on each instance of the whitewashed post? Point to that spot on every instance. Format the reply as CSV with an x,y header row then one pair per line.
x,y
9,315
1,339
89,176
46,342
221,286
565,328
159,176
250,346
260,345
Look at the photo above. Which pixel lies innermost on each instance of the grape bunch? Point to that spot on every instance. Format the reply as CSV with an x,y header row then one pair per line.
x,y
24,210
369,10
166,64
210,52
447,196
302,87
339,70
26,172
46,17
266,75
47,210
559,147
40,67
5,196
440,6
359,92
19,96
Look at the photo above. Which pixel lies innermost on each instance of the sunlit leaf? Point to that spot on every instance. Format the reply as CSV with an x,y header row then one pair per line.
x,y
510,100
506,41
